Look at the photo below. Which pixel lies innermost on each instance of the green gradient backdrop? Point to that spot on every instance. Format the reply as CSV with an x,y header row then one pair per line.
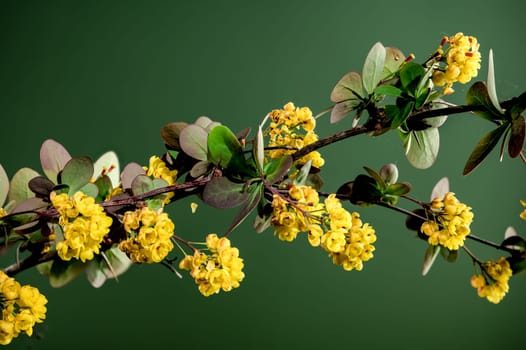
x,y
98,75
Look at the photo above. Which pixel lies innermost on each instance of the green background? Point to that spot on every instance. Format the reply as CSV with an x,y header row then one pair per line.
x,y
106,75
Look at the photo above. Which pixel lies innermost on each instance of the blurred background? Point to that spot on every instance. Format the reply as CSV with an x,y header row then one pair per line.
x,y
98,76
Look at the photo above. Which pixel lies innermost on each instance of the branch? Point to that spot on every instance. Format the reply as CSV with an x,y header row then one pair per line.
x,y
173,188
331,139
29,262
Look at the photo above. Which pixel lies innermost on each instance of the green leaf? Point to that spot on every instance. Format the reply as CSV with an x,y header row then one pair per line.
x,y
517,135
63,272
303,173
222,193
449,255
277,168
517,265
263,219
4,185
225,150
170,134
477,95
90,189
206,123
393,60
109,264
141,184
249,205
483,148
388,90
108,165
398,189
400,113
373,67
421,147
200,168
515,242
364,191
77,172
342,109
429,258
193,141
349,87
129,173
379,180
104,187
492,89
53,158
19,189
410,76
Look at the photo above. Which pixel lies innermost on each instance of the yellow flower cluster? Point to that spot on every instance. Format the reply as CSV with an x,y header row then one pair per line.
x,y
341,234
84,224
157,168
462,58
2,212
289,220
149,235
450,223
348,241
22,308
496,288
291,129
523,214
221,270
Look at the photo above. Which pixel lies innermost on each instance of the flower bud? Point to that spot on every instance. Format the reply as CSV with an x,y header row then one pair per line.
x,y
389,173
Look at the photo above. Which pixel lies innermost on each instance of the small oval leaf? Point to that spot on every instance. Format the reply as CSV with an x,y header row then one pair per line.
x,y
129,173
222,193
141,184
19,189
108,164
77,172
373,67
170,134
53,158
193,141
277,168
342,109
422,147
393,60
4,185
440,189
349,87
429,258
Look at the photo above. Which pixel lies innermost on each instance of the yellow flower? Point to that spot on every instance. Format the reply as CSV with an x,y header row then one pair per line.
x,y
22,307
10,289
450,222
84,224
459,61
291,129
221,270
149,235
157,168
494,285
523,214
